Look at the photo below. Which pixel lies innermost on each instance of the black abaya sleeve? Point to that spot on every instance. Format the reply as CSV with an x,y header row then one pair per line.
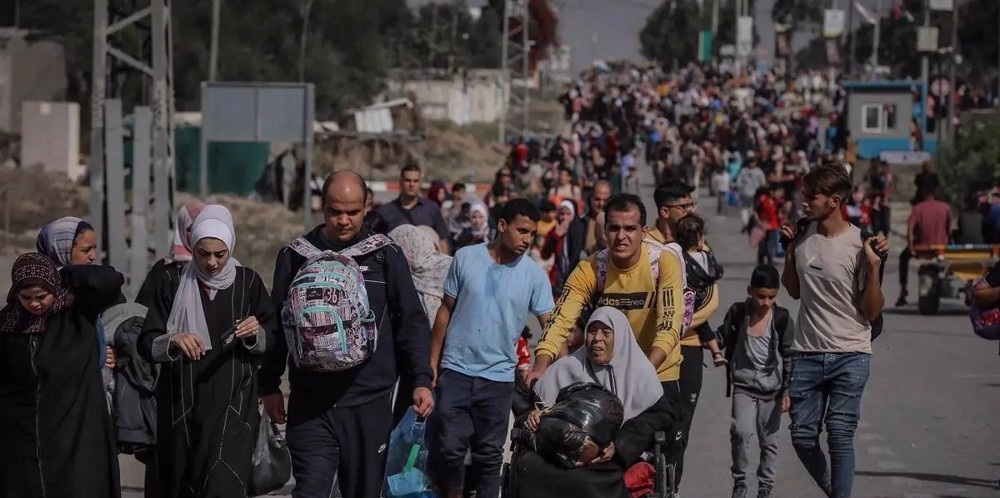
x,y
636,434
263,309
95,288
158,299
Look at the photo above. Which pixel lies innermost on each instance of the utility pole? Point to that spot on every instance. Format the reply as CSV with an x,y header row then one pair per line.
x,y
925,63
305,11
111,18
952,91
876,37
213,54
515,52
851,37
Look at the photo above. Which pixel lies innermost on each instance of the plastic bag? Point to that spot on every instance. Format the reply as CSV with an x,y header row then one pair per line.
x,y
406,462
271,461
584,420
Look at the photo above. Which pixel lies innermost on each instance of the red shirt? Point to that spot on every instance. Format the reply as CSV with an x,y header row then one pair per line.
x,y
523,354
931,220
767,212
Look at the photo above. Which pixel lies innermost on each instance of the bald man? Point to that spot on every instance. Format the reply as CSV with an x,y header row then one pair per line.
x,y
595,238
339,423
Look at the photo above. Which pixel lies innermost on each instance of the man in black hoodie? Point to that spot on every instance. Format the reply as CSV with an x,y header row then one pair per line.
x,y
339,423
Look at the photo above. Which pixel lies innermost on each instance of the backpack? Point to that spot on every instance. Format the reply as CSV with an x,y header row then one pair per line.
x,y
727,337
133,395
985,322
329,324
655,249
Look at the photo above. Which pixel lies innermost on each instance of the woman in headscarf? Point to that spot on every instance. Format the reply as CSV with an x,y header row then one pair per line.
x,y
68,241
428,266
72,241
611,358
180,251
206,324
57,440
477,230
566,242
137,369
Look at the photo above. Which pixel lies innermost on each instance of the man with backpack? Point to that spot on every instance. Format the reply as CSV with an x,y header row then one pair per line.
x,y
489,291
634,276
835,272
352,324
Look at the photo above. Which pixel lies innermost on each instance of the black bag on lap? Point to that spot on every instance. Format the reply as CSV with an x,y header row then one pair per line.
x,y
584,420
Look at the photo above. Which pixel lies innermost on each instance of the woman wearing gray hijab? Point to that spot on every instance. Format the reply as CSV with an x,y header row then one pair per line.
x,y
206,323
428,265
612,359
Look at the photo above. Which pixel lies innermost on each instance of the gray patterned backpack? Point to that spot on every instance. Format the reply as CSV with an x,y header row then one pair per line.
x,y
329,326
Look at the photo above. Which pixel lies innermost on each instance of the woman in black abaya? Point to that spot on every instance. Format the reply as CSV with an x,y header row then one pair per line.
x,y
207,322
57,438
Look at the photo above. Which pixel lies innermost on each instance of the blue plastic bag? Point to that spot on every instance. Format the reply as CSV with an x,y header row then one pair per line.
x,y
732,198
406,462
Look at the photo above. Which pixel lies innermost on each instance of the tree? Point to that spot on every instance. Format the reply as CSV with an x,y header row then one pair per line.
x,y
670,36
972,163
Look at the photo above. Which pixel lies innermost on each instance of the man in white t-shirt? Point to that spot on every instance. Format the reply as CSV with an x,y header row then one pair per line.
x,y
835,274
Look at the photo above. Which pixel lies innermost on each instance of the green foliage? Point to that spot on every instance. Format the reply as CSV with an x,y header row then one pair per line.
x,y
349,47
972,163
670,35
796,11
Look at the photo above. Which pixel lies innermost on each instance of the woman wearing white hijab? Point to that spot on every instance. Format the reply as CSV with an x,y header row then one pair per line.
x,y
611,358
206,322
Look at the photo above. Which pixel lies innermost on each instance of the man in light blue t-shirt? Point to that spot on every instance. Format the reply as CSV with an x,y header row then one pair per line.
x,y
489,291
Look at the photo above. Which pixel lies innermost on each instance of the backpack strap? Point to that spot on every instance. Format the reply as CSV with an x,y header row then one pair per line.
x,y
654,249
305,248
367,246
737,315
602,270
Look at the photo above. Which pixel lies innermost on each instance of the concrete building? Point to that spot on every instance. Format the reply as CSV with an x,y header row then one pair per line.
x,y
28,72
475,96
50,138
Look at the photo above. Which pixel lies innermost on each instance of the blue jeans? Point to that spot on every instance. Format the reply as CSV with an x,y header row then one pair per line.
x,y
827,387
471,413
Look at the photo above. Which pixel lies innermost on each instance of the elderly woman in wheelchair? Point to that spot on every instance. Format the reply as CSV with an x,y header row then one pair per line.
x,y
612,359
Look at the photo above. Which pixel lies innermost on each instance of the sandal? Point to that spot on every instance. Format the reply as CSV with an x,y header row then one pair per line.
x,y
719,359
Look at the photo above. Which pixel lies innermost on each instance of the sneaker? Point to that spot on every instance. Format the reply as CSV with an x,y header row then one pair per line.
x,y
740,491
828,489
764,492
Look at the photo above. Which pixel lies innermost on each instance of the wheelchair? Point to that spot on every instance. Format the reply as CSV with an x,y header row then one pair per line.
x,y
664,477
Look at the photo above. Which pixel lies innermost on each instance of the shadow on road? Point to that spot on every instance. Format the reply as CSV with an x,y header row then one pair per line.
x,y
915,312
963,481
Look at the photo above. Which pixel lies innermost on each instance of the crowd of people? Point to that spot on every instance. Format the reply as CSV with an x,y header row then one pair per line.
x,y
420,304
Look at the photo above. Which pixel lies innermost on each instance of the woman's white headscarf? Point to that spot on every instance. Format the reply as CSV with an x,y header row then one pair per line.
x,y
630,375
187,314
484,232
570,205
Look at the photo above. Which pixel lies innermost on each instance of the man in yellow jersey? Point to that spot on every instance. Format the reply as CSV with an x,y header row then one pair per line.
x,y
674,202
653,303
